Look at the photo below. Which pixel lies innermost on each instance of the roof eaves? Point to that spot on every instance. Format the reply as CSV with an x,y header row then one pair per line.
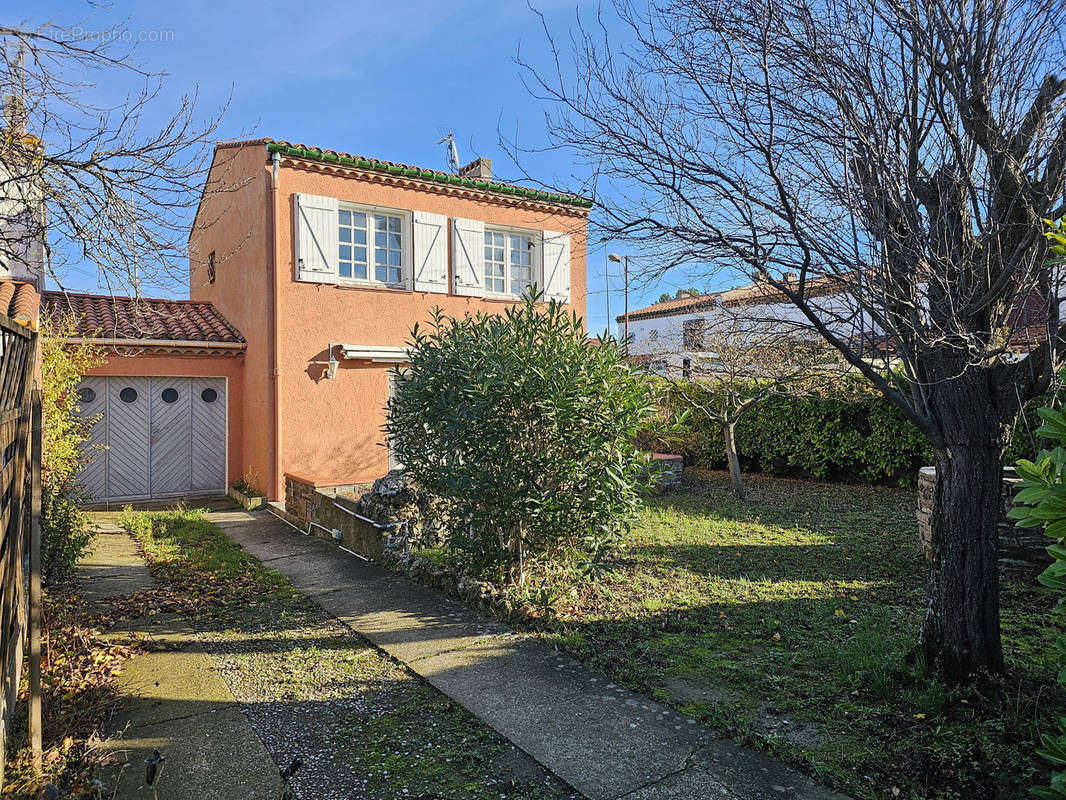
x,y
428,175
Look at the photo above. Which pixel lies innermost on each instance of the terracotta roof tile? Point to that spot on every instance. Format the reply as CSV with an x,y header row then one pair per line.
x,y
20,302
142,318
381,165
741,296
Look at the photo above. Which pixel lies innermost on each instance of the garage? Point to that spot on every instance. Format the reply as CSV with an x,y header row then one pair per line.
x,y
155,437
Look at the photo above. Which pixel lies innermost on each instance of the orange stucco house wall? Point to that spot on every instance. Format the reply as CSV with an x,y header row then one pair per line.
x,y
288,416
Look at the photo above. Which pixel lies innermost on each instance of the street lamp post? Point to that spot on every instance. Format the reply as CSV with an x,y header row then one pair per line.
x,y
619,260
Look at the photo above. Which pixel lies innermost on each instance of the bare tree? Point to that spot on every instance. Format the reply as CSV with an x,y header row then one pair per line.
x,y
728,361
905,152
85,182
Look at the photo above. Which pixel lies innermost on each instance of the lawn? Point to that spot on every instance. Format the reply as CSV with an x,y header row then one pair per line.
x,y
788,621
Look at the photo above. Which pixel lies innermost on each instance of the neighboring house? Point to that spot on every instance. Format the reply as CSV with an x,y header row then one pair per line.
x,y
669,337
23,240
674,337
308,270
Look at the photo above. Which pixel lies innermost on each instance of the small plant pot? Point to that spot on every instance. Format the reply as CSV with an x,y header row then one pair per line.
x,y
248,502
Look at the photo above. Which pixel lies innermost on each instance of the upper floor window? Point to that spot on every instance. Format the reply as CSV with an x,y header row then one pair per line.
x,y
370,246
508,262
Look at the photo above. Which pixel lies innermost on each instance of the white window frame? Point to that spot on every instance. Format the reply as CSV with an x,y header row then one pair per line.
x,y
536,257
407,259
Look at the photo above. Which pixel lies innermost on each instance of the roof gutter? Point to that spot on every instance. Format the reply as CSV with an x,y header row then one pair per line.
x,y
429,175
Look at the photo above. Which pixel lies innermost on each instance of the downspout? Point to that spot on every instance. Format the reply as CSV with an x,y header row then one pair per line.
x,y
275,179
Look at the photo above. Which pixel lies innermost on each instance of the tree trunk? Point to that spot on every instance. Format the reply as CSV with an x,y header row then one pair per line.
x,y
735,476
960,632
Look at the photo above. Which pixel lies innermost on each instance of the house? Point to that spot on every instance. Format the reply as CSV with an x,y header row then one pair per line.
x,y
308,270
669,337
675,336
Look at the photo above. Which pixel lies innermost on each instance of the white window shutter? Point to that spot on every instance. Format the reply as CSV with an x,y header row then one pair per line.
x,y
316,238
431,252
555,252
468,256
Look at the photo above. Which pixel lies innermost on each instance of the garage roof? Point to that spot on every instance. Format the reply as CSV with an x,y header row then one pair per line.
x,y
133,319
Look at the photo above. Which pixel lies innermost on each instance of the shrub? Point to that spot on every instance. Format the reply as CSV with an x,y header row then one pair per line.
x,y
526,430
64,530
848,432
65,533
1042,503
851,433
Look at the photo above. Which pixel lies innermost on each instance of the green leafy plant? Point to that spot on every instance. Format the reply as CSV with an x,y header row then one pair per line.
x,y
65,533
1042,503
248,484
526,429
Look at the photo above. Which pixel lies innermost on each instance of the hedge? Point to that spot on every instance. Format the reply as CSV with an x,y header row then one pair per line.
x,y
853,435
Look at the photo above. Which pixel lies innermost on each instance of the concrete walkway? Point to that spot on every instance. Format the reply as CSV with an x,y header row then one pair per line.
x,y
171,697
604,740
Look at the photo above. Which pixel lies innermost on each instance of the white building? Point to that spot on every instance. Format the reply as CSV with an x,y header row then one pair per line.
x,y
669,336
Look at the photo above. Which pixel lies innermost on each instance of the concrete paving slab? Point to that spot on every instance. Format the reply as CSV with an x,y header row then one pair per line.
x,y
565,716
209,756
112,567
169,684
689,784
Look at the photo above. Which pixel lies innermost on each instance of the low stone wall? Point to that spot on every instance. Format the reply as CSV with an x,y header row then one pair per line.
x,y
332,517
1022,551
673,468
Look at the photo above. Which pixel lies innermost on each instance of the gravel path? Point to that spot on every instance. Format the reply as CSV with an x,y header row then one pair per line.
x,y
363,724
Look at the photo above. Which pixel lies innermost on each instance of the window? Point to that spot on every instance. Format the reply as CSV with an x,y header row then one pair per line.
x,y
382,262
653,335
508,262
128,395
693,333
209,395
170,395
86,395
211,267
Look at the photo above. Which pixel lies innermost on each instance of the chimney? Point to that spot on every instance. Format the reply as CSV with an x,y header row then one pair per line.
x,y
480,168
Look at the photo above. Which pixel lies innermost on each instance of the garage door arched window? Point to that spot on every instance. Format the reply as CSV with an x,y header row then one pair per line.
x,y
209,395
170,395
128,395
86,395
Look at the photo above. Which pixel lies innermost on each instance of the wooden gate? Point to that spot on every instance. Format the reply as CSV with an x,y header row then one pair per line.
x,y
18,357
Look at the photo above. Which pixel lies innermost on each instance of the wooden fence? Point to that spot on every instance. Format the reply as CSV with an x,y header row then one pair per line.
x,y
18,358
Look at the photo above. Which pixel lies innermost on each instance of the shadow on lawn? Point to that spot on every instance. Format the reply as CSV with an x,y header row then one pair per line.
x,y
832,694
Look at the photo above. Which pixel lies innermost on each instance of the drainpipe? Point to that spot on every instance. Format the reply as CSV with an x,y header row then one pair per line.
x,y
275,159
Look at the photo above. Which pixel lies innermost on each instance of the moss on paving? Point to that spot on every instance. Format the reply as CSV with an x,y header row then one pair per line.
x,y
364,724
788,620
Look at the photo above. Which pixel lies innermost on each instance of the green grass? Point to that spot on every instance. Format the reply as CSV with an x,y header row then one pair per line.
x,y
788,621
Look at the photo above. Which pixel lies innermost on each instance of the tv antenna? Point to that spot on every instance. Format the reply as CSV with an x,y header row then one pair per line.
x,y
453,152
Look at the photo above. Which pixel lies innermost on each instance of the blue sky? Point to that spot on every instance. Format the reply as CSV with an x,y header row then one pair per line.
x,y
382,79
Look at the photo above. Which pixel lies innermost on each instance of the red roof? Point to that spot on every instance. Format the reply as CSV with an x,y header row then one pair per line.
x,y
20,302
141,318
752,294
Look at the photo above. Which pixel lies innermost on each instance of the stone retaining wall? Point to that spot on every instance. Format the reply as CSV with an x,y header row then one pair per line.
x,y
1022,551
332,517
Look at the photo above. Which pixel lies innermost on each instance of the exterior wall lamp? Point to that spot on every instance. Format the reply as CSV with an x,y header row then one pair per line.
x,y
331,366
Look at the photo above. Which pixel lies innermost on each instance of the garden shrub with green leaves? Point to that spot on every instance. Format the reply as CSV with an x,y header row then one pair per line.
x,y
849,433
65,533
527,431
